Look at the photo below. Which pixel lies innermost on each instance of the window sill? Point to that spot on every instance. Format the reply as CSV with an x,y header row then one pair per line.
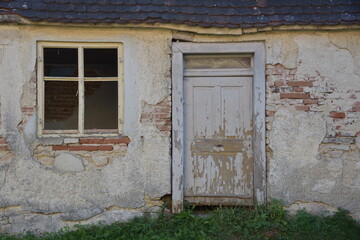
x,y
84,143
75,133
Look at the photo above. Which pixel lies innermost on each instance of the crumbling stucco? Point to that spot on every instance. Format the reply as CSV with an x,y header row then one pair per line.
x,y
41,190
313,151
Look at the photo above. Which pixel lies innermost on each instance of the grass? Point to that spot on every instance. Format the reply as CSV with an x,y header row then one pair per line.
x,y
264,222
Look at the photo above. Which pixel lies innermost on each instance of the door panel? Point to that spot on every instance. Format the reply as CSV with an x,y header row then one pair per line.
x,y
218,140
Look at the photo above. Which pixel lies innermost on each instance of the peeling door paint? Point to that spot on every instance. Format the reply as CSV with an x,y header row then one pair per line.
x,y
218,140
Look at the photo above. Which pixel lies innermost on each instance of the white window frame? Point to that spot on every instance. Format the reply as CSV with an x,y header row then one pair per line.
x,y
81,79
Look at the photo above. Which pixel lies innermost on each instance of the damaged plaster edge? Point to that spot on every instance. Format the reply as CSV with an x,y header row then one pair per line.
x,y
345,49
312,207
19,20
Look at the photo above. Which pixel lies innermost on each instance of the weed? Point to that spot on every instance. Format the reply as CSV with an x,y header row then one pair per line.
x,y
268,222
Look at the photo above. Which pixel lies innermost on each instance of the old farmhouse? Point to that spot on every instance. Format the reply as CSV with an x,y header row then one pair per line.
x,y
109,109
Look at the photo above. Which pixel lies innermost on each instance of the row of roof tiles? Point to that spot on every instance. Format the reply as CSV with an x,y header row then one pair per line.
x,y
206,13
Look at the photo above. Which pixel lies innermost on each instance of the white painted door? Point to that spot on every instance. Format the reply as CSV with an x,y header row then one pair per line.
x,y
218,140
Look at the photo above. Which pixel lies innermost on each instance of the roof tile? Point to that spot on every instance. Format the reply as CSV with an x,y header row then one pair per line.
x,y
205,13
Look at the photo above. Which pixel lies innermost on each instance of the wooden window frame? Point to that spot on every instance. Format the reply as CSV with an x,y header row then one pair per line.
x,y
80,46
257,50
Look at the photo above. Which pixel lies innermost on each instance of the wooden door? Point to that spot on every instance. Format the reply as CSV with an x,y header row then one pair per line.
x,y
218,140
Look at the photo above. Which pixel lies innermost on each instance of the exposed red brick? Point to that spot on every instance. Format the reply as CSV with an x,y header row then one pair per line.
x,y
60,147
164,128
3,148
163,115
279,83
298,89
83,148
337,114
162,109
28,109
358,134
165,102
270,71
300,83
146,116
92,141
117,140
295,95
270,113
3,141
355,109
352,96
104,140
302,108
311,101
106,148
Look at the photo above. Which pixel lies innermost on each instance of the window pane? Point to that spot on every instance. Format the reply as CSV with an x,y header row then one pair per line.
x,y
217,61
60,62
100,62
61,105
101,105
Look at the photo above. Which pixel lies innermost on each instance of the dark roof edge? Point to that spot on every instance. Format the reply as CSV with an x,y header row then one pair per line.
x,y
14,19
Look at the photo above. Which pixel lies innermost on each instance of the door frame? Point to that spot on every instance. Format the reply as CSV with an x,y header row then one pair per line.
x,y
257,49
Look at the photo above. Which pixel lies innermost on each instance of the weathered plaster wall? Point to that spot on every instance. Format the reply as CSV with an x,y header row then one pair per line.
x,y
47,183
313,117
313,128
314,121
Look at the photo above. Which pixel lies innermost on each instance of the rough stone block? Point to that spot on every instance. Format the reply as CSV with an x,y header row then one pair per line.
x,y
71,140
339,140
340,147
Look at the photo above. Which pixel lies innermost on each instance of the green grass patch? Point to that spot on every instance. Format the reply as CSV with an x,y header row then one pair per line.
x,y
264,222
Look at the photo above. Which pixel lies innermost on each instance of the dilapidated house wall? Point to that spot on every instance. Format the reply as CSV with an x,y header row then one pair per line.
x,y
312,124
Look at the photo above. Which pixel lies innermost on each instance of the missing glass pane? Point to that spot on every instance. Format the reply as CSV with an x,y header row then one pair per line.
x,y
101,105
100,62
217,61
61,105
60,62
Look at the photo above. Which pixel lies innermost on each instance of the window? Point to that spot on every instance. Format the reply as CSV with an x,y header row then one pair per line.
x,y
80,88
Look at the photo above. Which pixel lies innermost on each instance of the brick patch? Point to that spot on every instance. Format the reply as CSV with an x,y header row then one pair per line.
x,y
158,115
125,140
60,147
310,101
3,144
302,108
83,148
106,148
294,95
92,144
3,148
315,93
300,83
337,114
